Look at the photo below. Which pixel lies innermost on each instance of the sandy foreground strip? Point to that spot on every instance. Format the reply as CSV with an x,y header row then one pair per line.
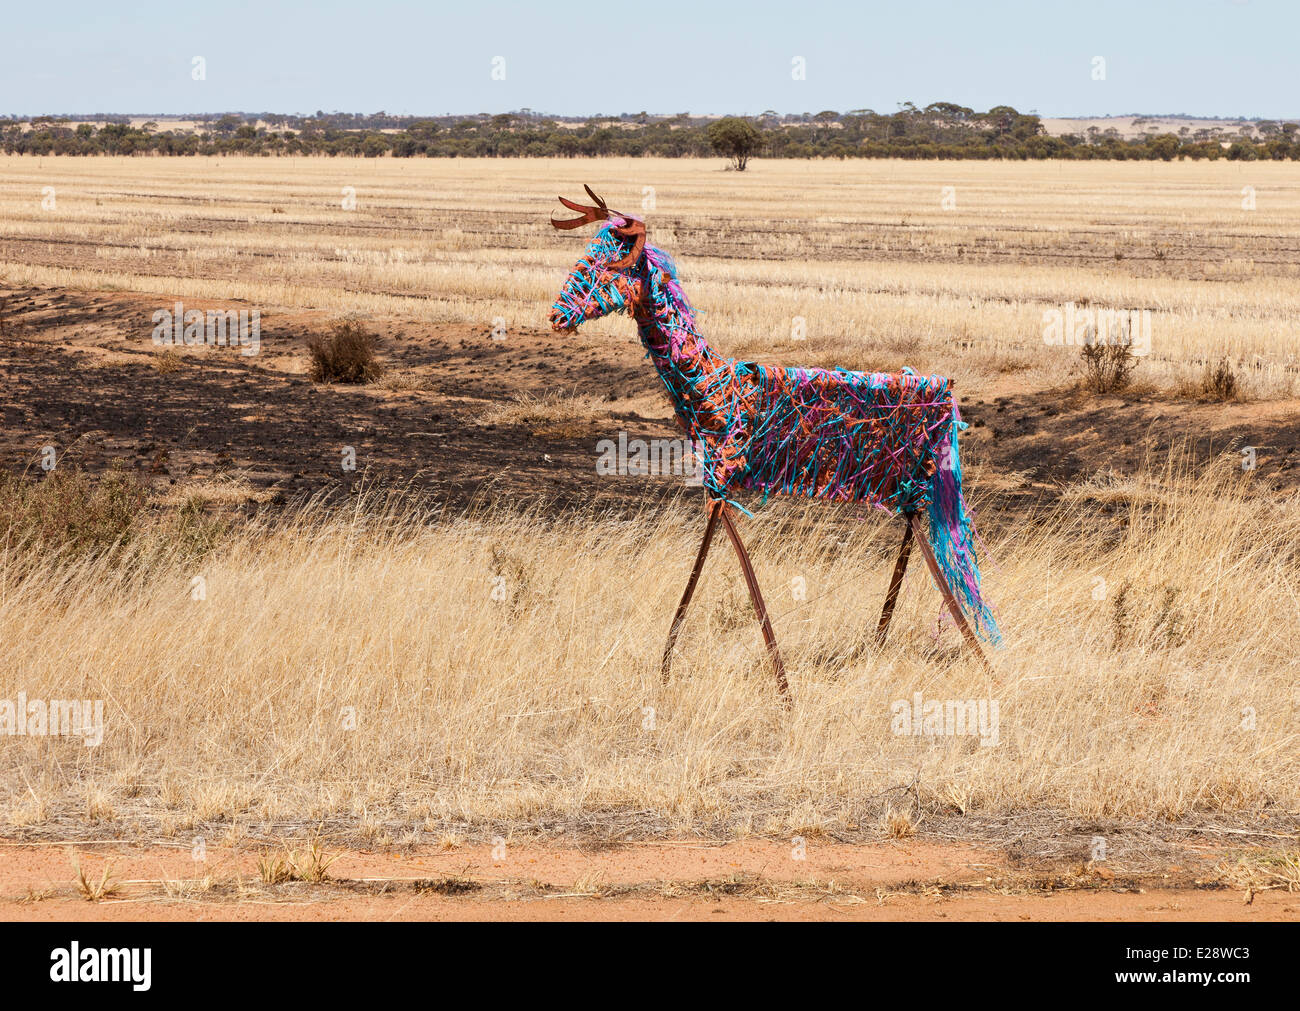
x,y
750,880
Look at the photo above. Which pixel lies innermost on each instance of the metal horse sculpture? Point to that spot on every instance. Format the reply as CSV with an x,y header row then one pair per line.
x,y
888,439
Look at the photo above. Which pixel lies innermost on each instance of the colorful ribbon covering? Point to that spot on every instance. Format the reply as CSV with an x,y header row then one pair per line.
x,y
887,439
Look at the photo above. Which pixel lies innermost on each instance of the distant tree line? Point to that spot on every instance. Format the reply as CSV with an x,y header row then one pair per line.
x,y
939,130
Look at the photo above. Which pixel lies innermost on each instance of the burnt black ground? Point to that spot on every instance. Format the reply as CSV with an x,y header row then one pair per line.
x,y
80,374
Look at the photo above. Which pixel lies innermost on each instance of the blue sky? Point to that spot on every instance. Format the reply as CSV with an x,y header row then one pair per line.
x,y
1201,57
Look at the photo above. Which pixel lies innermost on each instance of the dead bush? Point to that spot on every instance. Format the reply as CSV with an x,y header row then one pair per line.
x,y
166,362
68,510
345,355
1107,367
1219,381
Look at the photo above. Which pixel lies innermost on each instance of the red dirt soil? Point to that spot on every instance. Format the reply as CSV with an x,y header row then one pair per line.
x,y
750,880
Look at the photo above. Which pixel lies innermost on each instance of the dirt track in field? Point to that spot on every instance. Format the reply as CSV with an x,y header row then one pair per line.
x,y
80,373
750,880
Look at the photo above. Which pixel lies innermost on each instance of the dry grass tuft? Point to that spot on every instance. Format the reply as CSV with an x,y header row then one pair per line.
x,y
553,415
345,355
94,889
1260,872
166,362
1220,382
897,824
310,865
273,870
67,511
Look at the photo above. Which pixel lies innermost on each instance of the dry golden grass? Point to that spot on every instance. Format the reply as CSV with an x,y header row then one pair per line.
x,y
94,889
557,414
167,362
310,865
492,673
1261,872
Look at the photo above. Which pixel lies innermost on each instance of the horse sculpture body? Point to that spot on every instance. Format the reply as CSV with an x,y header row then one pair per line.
x,y
888,439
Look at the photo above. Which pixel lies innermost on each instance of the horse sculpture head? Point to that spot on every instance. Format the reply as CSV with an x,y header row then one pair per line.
x,y
607,278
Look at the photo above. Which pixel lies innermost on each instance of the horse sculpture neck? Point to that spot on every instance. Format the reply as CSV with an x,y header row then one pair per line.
x,y
699,381
664,316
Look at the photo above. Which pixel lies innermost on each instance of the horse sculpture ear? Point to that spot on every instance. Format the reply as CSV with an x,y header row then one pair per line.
x,y
634,230
587,215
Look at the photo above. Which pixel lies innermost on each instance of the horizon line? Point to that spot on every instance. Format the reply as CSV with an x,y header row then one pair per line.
x,y
534,114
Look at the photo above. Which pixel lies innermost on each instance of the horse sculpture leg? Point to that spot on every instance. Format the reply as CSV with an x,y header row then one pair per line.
x,y
712,510
715,509
946,590
895,581
757,596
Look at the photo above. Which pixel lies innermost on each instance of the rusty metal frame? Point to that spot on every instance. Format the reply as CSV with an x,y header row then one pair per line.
x,y
711,510
953,608
717,509
756,595
895,583
914,530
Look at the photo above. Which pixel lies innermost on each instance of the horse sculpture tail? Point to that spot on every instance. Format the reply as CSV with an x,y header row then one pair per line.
x,y
952,535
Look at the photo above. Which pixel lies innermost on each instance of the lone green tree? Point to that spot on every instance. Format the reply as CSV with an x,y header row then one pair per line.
x,y
734,138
